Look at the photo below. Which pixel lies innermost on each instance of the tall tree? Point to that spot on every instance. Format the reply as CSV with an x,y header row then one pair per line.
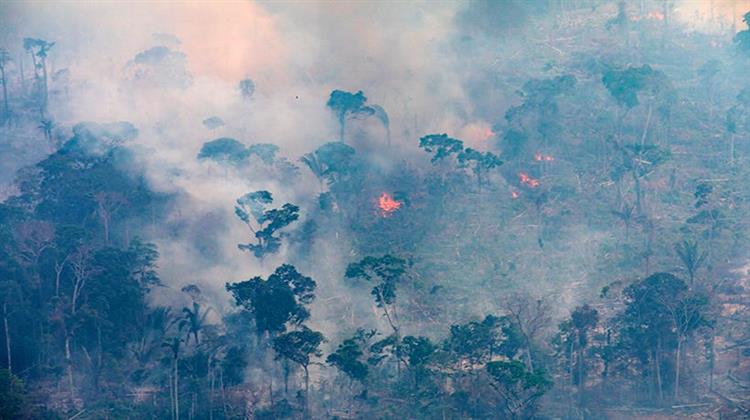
x,y
274,303
265,222
348,105
4,60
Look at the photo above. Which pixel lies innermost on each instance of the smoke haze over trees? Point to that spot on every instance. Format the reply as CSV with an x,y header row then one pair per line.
x,y
341,210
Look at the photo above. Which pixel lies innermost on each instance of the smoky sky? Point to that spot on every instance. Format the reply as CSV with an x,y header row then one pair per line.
x,y
166,67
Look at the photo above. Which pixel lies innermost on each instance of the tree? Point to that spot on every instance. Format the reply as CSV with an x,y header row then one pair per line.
x,y
194,321
539,109
640,160
247,88
738,119
353,358
276,302
265,151
299,346
386,272
347,105
330,162
573,339
441,145
530,316
13,400
47,125
214,122
39,49
266,222
480,341
742,38
382,116
348,355
628,84
660,314
479,162
519,387
224,150
691,257
4,60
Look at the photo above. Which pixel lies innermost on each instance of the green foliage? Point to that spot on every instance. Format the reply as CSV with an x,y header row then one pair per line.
x,y
224,150
518,387
441,145
12,396
348,105
298,346
265,223
349,355
625,85
480,341
386,271
330,162
277,302
692,258
742,38
417,350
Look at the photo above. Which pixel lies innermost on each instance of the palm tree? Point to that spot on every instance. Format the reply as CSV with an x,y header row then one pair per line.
x,y
46,125
691,256
194,321
174,376
316,166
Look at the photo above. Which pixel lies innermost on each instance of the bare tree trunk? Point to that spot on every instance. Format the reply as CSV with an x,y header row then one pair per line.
x,y
7,337
648,121
678,359
711,361
658,372
45,95
307,392
6,107
342,123
638,192
211,375
69,367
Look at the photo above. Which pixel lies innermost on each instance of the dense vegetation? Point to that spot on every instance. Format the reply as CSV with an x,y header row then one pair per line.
x,y
587,259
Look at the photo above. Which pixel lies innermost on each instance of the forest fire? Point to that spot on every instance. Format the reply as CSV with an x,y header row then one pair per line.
x,y
527,180
539,157
387,204
514,194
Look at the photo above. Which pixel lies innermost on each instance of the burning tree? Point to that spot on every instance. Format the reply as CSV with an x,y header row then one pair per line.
x,y
266,222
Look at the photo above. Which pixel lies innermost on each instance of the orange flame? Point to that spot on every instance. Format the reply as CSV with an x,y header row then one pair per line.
x,y
387,204
539,157
527,180
655,15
